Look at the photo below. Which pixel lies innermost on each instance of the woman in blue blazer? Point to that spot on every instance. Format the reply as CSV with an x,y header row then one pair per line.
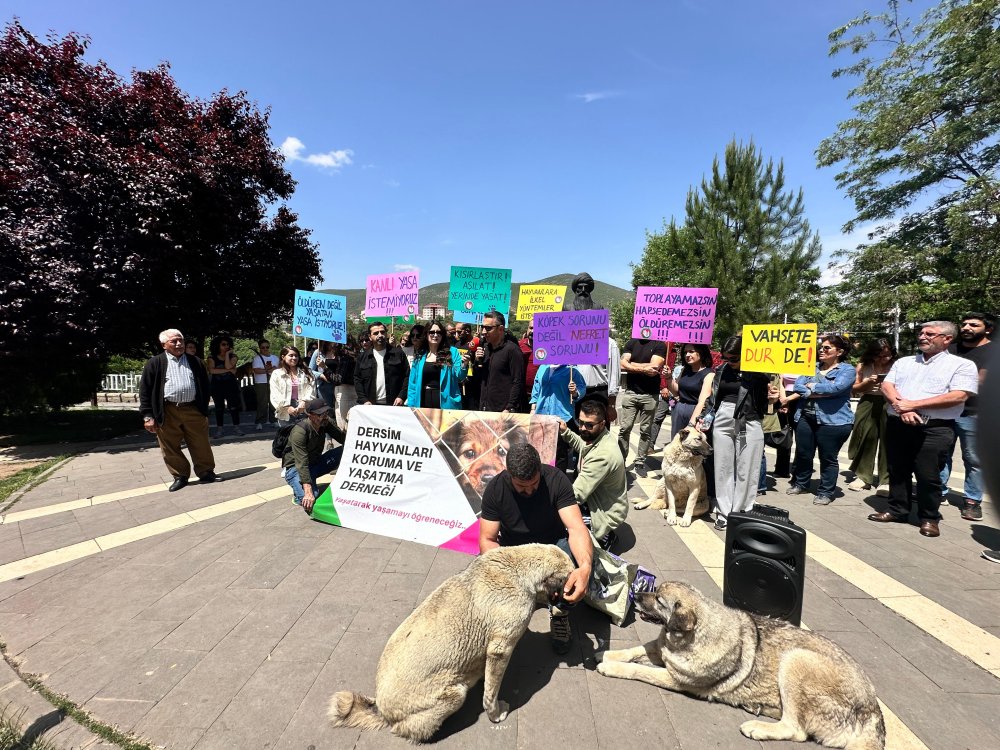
x,y
437,372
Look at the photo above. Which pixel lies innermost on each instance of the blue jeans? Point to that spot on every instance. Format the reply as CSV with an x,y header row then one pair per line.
x,y
828,439
965,433
325,464
762,483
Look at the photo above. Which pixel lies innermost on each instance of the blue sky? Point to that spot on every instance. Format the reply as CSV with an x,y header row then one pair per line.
x,y
541,136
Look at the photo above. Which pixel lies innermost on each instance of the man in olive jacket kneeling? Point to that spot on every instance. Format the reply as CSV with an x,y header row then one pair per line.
x,y
304,459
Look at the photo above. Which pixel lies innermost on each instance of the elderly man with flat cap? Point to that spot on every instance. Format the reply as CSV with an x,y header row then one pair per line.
x,y
173,402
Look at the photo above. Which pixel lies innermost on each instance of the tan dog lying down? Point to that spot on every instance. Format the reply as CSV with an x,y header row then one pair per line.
x,y
464,631
766,666
683,478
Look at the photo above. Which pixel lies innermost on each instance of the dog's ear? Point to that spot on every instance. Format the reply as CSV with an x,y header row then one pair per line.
x,y
684,433
683,618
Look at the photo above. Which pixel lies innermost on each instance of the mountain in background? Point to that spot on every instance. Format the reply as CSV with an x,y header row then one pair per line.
x,y
604,294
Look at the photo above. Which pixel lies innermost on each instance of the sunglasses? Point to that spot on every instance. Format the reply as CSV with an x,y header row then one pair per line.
x,y
730,358
589,425
828,348
435,333
489,328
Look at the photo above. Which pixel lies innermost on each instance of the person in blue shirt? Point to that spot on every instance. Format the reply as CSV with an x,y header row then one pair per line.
x,y
555,389
824,421
437,372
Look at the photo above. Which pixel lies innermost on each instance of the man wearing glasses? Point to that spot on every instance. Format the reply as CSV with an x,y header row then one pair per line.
x,y
173,402
925,394
263,364
599,486
382,373
500,367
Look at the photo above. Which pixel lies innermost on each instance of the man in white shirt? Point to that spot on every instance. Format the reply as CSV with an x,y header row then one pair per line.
x,y
925,394
263,364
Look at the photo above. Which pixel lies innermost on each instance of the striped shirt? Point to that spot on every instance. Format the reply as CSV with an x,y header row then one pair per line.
x,y
180,387
917,378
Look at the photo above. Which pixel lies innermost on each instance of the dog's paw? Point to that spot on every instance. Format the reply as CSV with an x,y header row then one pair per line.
x,y
641,504
684,521
498,712
671,517
610,668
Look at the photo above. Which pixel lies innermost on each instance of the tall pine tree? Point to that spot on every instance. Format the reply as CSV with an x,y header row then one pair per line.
x,y
745,234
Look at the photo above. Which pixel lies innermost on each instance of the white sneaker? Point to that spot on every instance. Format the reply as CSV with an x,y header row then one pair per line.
x,y
858,485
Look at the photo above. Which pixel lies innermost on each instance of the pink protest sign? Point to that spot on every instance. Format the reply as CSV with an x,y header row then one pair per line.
x,y
684,315
390,294
571,338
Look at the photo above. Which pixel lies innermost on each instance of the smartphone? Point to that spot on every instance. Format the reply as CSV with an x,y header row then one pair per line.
x,y
880,378
294,403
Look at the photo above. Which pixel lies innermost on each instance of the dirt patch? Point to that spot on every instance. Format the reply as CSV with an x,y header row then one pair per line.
x,y
10,468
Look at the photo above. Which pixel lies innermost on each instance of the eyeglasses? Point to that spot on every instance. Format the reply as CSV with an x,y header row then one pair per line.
x,y
589,425
435,333
923,335
731,357
489,328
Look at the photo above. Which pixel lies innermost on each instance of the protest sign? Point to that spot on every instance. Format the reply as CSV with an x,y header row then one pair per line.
x,y
460,316
392,294
535,298
388,320
479,289
571,338
684,315
318,315
419,474
787,348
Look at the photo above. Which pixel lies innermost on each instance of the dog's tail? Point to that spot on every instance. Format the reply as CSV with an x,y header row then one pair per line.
x,y
349,709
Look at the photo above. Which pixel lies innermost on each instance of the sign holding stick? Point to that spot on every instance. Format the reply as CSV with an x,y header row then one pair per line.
x,y
571,338
318,315
787,348
683,315
392,294
535,298
479,289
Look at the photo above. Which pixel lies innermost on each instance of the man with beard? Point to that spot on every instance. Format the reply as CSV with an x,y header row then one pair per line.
x,y
582,286
973,344
382,373
500,366
600,486
925,394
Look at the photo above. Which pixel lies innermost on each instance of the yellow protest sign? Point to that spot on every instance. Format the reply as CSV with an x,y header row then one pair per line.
x,y
786,348
532,298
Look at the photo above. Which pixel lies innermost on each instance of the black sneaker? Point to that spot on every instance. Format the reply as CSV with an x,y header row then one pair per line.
x,y
972,512
560,631
993,555
639,469
720,523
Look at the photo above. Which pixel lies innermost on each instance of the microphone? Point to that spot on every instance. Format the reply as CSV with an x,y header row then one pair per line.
x,y
474,344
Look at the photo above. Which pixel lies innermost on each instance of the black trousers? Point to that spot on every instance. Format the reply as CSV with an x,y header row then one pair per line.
x,y
917,450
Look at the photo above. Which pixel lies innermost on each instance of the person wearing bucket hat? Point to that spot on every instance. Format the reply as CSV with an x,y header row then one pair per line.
x,y
304,460
599,487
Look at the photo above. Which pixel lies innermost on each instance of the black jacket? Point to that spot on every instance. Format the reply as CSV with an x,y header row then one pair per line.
x,y
397,375
154,379
502,375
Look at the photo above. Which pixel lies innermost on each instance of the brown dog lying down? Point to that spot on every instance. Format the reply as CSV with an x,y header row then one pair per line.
x,y
464,631
765,666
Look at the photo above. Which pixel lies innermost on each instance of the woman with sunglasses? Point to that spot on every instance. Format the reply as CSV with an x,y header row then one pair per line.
x,y
225,388
733,411
824,421
438,371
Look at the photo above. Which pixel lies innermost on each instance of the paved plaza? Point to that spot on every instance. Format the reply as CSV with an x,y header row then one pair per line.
x,y
221,616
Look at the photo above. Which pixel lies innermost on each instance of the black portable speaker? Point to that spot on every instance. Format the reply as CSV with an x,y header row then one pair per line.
x,y
765,564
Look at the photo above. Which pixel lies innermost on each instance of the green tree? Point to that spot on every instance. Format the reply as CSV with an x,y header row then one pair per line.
x,y
919,159
744,233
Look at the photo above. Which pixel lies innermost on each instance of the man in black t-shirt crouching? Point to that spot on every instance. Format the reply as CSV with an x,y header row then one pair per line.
x,y
531,502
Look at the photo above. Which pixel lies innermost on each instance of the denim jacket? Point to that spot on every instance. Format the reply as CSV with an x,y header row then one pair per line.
x,y
834,405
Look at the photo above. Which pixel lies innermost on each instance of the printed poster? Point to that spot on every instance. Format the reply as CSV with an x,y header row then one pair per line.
x,y
787,348
571,338
419,474
536,298
392,294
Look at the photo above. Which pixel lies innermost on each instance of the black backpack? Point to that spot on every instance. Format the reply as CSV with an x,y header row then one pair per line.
x,y
280,443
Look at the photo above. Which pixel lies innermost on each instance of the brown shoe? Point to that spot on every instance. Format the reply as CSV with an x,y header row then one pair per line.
x,y
886,517
929,528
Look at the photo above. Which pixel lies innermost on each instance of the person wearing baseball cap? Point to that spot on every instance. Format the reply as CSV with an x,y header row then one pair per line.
x,y
304,459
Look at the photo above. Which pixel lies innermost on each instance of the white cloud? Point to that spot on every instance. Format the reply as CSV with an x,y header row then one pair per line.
x,y
392,183
405,267
293,150
833,242
595,96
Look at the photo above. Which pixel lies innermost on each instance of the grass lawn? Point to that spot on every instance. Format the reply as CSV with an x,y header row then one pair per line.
x,y
76,426
11,484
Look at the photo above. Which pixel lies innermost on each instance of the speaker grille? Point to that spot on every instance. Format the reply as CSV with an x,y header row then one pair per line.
x,y
762,586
